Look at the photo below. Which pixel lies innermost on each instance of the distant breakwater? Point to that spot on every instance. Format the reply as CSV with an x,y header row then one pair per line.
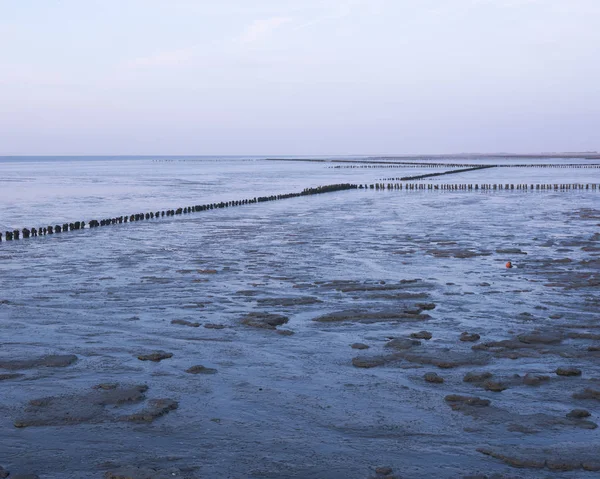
x,y
430,175
26,233
562,187
466,166
389,163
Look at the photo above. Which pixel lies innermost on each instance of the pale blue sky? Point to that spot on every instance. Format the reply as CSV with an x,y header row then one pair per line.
x,y
298,77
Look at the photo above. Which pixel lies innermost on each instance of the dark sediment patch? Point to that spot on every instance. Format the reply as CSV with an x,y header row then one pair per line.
x,y
287,302
444,358
155,409
7,376
494,386
459,253
264,320
475,377
425,306
214,326
369,316
285,332
51,361
383,470
155,356
531,379
92,407
433,378
393,296
488,382
155,280
578,413
421,335
458,402
183,322
525,345
588,393
568,371
510,251
514,422
568,458
402,344
591,336
384,473
106,386
350,286
199,369
248,292
373,361
541,337
469,337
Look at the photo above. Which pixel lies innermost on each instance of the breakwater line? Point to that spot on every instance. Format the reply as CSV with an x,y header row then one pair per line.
x,y
386,163
382,165
51,229
482,187
429,175
27,233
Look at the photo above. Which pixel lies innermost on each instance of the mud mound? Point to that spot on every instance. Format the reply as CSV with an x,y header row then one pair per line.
x,y
555,459
155,356
155,409
199,369
444,358
264,320
183,322
369,316
51,361
514,422
99,406
350,286
401,344
289,301
459,253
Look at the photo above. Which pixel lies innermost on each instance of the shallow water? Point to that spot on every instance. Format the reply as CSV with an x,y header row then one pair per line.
x,y
294,406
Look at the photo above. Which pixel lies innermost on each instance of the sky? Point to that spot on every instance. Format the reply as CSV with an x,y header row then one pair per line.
x,y
298,77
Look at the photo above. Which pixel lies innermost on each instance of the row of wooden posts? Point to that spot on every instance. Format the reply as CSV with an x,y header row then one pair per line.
x,y
431,175
77,225
484,186
465,165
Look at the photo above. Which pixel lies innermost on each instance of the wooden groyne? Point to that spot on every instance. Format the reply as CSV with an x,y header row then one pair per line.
x,y
430,175
79,225
485,187
482,187
382,164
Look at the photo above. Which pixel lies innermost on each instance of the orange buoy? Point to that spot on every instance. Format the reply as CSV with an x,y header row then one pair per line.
x,y
509,264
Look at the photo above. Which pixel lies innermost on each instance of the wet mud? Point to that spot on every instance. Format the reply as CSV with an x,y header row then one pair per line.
x,y
371,334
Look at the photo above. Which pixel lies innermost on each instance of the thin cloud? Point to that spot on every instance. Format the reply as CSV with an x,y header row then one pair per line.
x,y
172,58
342,10
262,29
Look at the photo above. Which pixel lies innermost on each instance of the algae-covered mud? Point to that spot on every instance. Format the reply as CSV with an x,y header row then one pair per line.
x,y
354,334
